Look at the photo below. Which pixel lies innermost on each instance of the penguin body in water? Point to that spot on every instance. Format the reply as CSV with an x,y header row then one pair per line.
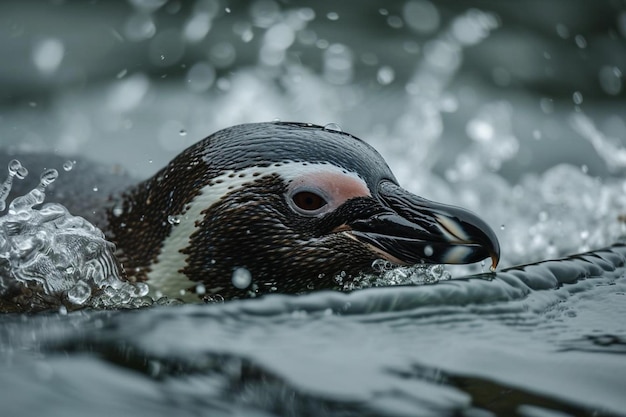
x,y
272,207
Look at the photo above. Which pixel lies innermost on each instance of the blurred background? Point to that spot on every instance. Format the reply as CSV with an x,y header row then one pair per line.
x,y
504,107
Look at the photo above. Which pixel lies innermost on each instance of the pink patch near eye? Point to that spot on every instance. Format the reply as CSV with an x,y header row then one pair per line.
x,y
336,188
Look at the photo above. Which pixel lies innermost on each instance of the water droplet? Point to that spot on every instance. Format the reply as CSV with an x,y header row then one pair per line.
x,y
428,251
332,16
547,105
14,166
581,42
68,165
227,9
200,77
200,289
63,310
79,294
141,289
182,132
385,75
480,130
395,22
421,15
118,211
241,278
577,97
48,177
562,31
502,227
338,64
21,173
611,80
197,27
333,127
95,189
48,54
173,220
584,168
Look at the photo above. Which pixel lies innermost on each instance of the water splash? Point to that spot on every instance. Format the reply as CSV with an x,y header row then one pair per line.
x,y
388,275
613,155
15,170
50,258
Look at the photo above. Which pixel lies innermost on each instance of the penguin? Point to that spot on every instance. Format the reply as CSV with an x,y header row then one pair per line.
x,y
278,207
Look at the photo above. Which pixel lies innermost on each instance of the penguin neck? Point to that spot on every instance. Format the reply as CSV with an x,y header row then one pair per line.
x,y
143,215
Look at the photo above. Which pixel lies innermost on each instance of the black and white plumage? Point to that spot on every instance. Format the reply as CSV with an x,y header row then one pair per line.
x,y
292,204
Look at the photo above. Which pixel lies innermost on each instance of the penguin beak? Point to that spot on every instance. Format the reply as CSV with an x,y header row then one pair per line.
x,y
411,229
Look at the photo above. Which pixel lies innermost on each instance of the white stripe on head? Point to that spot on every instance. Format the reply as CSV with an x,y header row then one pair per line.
x,y
165,275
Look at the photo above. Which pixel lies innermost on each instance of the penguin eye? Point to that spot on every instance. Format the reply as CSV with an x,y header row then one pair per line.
x,y
308,201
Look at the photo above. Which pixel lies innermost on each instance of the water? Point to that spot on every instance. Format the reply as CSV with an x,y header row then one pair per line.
x,y
518,138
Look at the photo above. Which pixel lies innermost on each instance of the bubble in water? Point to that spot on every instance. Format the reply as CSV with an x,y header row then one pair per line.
x,y
332,16
79,293
241,278
173,220
48,54
428,251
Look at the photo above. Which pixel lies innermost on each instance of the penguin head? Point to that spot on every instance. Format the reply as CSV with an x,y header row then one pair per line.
x,y
283,207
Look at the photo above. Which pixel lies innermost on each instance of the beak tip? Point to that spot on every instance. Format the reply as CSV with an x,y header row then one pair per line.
x,y
494,261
